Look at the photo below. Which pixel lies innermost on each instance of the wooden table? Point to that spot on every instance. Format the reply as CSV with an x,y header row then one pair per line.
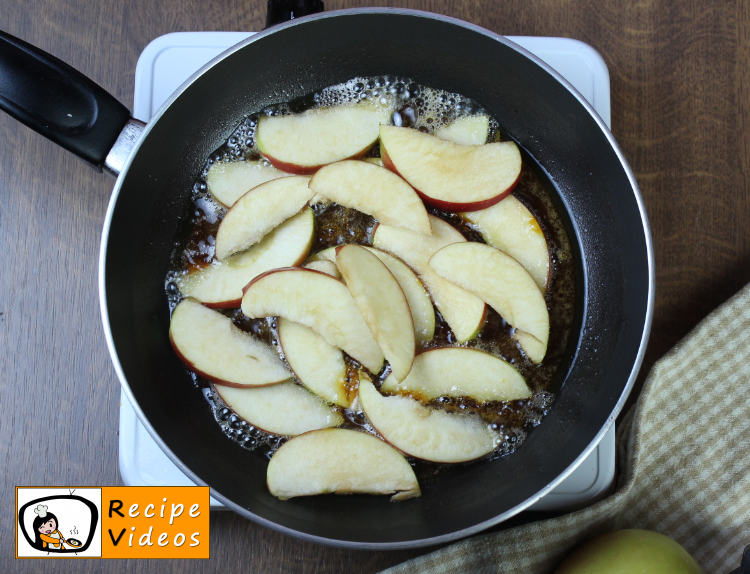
x,y
680,74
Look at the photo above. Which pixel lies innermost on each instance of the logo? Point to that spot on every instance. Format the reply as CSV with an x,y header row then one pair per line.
x,y
113,522
59,522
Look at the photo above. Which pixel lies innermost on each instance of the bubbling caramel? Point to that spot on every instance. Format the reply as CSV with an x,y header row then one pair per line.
x,y
426,109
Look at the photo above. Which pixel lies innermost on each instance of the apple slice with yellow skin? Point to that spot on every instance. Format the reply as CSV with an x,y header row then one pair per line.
x,y
340,461
303,143
460,372
229,181
317,365
373,160
220,284
382,303
373,190
511,227
426,433
468,130
318,301
327,267
503,284
209,344
284,409
420,304
259,211
464,312
451,176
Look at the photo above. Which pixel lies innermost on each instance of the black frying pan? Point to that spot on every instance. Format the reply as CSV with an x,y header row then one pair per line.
x,y
594,187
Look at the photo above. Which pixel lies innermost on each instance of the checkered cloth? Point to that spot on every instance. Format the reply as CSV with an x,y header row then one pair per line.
x,y
684,462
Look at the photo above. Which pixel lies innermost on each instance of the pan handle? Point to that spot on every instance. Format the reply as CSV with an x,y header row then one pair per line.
x,y
58,101
283,10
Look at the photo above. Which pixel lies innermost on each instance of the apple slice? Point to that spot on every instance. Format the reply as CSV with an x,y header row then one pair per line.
x,y
284,409
511,227
373,160
317,365
303,143
209,344
460,372
468,130
420,304
451,176
503,283
229,181
426,433
382,303
327,267
259,211
220,284
373,190
328,254
464,312
341,461
318,301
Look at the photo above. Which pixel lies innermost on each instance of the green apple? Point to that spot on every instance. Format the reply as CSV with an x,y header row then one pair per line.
x,y
630,552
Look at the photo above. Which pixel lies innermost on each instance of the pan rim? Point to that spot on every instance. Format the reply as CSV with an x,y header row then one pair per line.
x,y
411,543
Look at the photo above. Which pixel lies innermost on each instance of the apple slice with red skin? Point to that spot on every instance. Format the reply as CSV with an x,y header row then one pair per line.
x,y
460,372
420,304
303,143
510,227
228,181
467,130
464,312
373,190
259,211
451,176
341,461
317,365
209,344
426,433
503,284
285,409
220,284
382,303
318,301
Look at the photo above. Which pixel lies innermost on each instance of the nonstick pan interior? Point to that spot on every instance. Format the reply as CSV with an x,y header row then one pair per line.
x,y
606,224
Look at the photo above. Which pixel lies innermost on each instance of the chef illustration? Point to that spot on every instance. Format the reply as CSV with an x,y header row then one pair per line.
x,y
48,536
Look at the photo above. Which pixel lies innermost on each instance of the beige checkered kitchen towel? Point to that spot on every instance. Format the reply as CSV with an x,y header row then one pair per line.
x,y
684,455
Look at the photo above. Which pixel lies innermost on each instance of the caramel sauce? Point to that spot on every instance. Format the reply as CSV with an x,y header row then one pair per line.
x,y
424,109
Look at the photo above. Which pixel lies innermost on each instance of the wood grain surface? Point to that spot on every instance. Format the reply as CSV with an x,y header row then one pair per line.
x,y
680,74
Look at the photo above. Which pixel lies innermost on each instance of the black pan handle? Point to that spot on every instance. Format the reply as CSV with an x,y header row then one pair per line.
x,y
283,10
58,101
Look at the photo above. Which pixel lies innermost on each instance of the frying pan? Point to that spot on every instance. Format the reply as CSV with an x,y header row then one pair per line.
x,y
593,187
